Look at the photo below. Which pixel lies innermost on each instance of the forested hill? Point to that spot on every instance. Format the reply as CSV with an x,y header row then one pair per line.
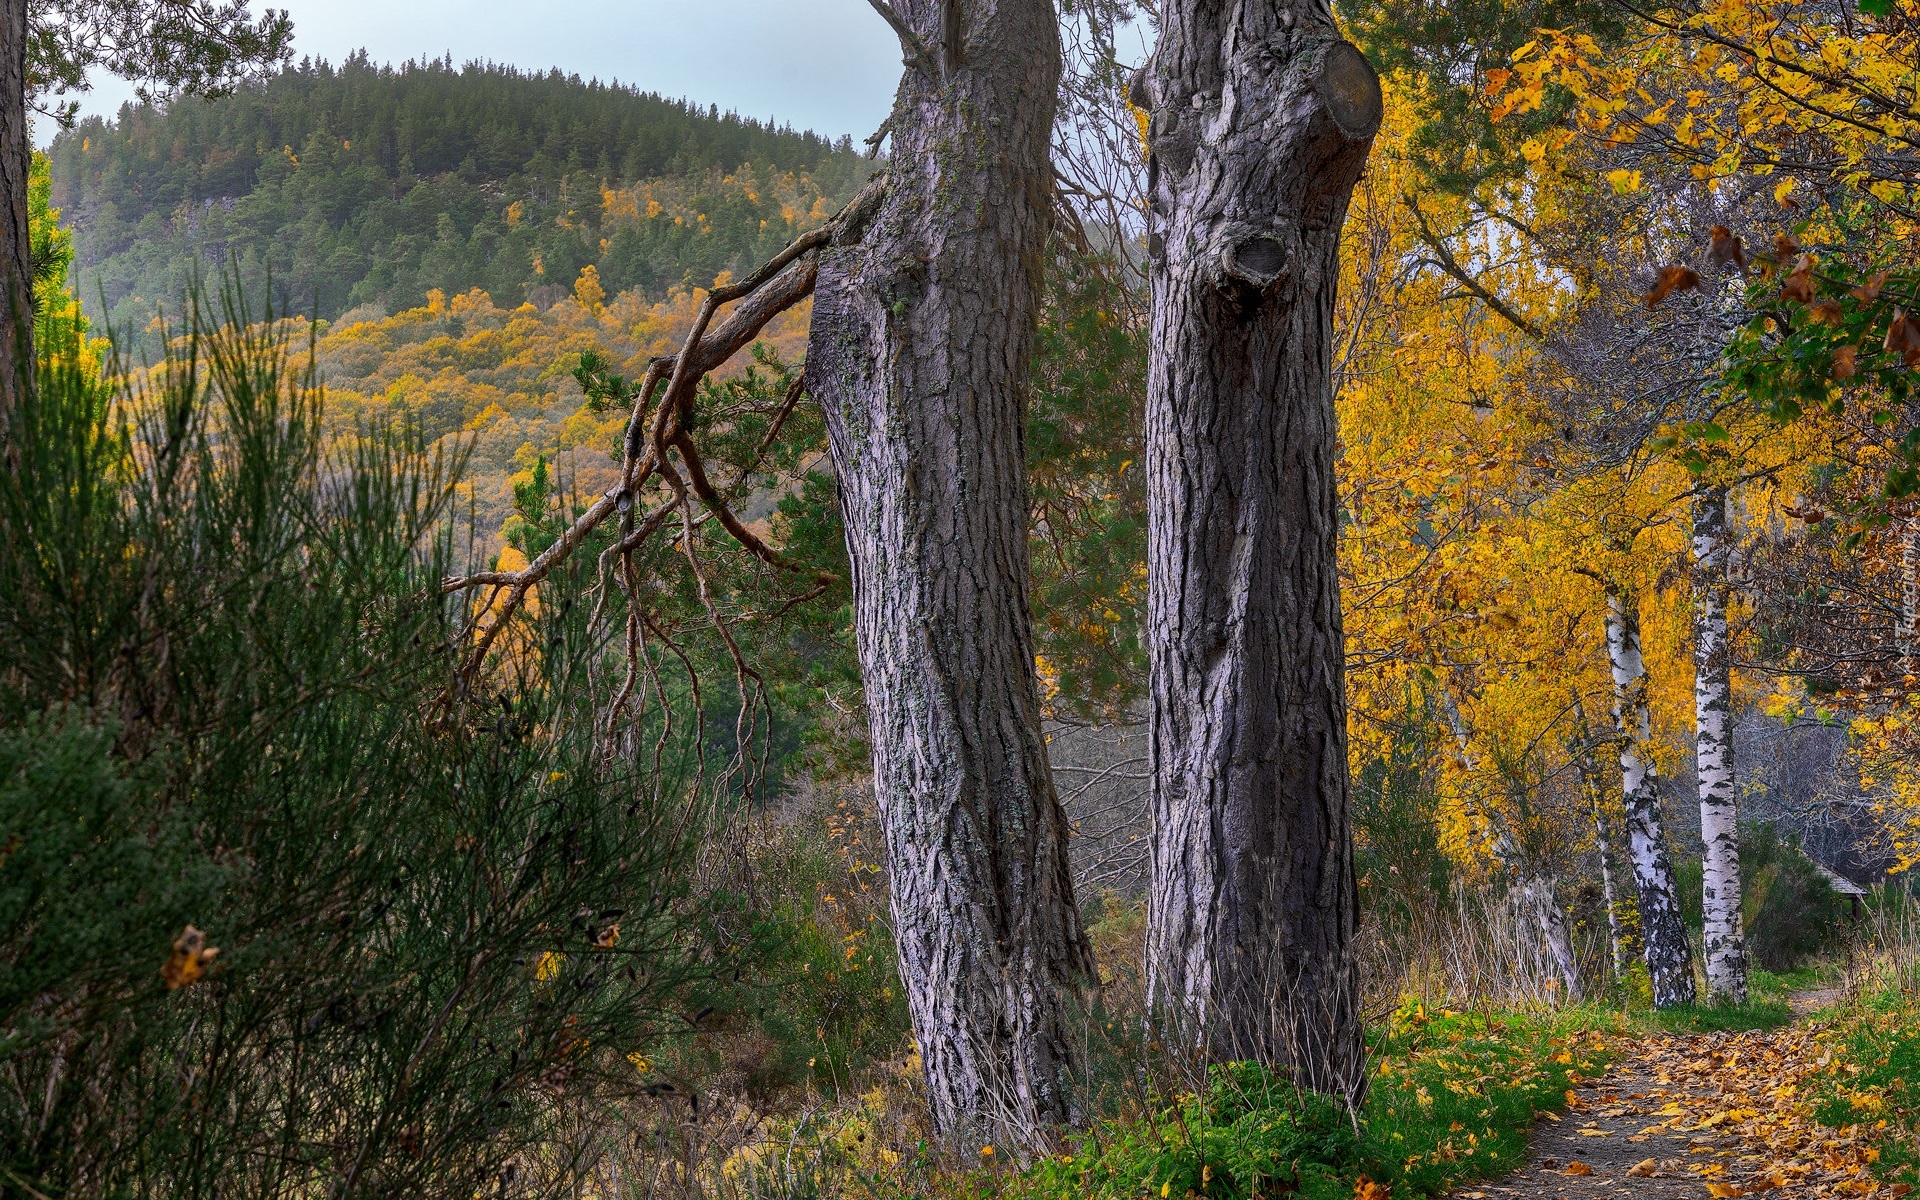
x,y
366,184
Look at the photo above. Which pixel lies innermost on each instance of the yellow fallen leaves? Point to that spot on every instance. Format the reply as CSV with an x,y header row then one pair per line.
x,y
1743,1099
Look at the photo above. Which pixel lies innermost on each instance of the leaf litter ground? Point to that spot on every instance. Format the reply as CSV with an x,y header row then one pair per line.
x,y
1697,1116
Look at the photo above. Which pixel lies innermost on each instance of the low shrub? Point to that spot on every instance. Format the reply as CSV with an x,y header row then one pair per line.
x,y
1452,1099
1790,910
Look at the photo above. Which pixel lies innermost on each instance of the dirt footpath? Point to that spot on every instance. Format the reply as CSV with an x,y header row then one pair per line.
x,y
1696,1116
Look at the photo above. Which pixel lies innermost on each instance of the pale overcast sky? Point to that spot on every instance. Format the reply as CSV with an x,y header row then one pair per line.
x,y
825,65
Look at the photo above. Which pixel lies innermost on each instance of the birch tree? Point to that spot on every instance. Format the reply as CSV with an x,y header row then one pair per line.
x,y
1725,949
1662,932
1261,122
1538,889
1580,748
922,330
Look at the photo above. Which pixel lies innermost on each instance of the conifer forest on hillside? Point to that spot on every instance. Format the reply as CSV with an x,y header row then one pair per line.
x,y
1243,601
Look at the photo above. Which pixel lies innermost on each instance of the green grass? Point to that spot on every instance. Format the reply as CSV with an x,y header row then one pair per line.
x,y
1453,1096
1778,985
1873,1079
1756,1013
1766,1006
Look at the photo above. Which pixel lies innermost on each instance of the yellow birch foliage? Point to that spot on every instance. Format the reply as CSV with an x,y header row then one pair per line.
x,y
1457,562
1477,549
1806,93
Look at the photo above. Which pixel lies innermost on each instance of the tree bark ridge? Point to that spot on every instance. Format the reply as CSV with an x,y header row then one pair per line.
x,y
16,242
918,354
1261,122
1725,948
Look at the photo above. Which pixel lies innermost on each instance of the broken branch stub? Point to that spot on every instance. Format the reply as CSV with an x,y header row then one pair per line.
x,y
1350,89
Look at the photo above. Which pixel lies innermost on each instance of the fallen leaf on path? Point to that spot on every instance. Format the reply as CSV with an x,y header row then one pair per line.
x,y
1644,1169
1577,1168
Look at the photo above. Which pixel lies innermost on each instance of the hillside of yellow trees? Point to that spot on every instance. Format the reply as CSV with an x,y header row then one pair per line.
x,y
497,383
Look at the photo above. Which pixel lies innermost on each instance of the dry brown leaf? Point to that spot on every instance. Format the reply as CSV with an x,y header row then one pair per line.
x,y
1869,291
1827,312
190,959
1799,285
1577,1168
1725,248
1903,338
1670,279
1843,363
1646,1168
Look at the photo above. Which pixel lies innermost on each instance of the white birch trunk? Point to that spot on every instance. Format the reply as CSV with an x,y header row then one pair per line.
x,y
1713,751
1907,634
1610,896
1594,784
1538,889
1662,933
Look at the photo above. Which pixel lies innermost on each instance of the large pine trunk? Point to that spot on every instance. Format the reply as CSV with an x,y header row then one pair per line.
x,y
1725,948
922,330
1261,122
16,249
1663,935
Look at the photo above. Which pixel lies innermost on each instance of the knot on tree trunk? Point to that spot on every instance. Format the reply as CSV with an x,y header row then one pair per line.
x,y
1256,260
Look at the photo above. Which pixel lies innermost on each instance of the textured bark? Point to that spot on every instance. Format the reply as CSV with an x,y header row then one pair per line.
x,y
16,249
1539,890
1662,933
1725,948
922,329
1261,122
